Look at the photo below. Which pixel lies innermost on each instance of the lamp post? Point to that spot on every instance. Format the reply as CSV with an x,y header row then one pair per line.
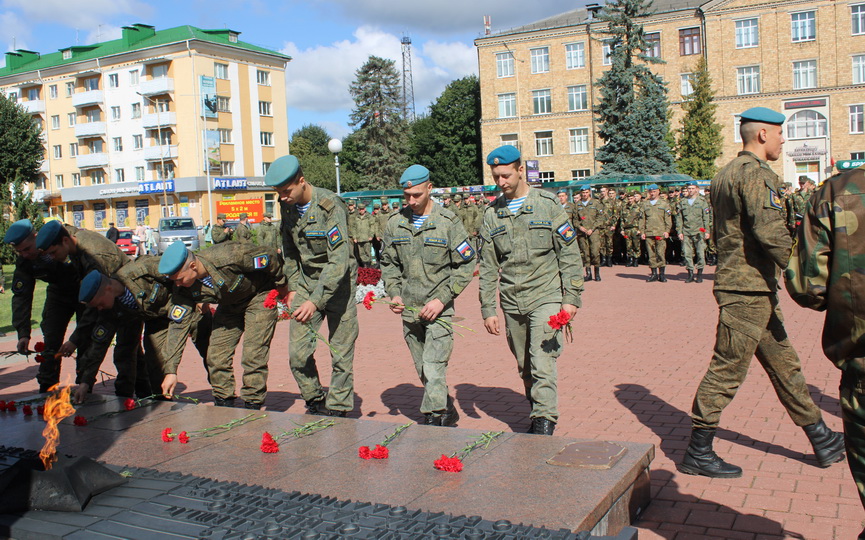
x,y
161,151
335,146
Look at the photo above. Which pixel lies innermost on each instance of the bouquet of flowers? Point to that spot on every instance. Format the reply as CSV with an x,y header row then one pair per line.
x,y
562,321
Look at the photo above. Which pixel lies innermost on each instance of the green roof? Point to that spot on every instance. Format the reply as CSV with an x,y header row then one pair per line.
x,y
135,37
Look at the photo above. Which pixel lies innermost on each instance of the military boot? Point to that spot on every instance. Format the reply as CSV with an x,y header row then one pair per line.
x,y
542,426
690,277
450,417
223,402
253,406
700,459
654,276
699,275
828,445
661,277
588,276
597,274
317,406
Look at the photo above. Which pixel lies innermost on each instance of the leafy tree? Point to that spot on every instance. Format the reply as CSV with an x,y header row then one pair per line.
x,y
313,138
382,133
699,144
633,109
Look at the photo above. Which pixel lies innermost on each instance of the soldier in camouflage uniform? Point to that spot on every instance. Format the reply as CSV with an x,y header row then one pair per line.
x,y
381,218
608,203
590,220
693,223
322,278
361,234
221,232
268,234
242,232
824,274
629,226
427,262
655,228
711,248
567,205
800,199
530,255
753,246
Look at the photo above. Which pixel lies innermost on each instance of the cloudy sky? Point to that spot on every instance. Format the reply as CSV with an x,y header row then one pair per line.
x,y
328,39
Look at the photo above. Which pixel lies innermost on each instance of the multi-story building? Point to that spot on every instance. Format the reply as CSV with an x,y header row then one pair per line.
x,y
156,123
805,58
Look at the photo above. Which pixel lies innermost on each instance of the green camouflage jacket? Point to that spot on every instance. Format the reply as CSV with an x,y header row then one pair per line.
x,y
692,217
657,218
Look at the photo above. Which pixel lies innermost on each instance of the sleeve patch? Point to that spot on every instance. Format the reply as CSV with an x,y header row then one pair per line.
x,y
334,237
774,200
566,231
465,251
100,334
18,286
178,313
261,261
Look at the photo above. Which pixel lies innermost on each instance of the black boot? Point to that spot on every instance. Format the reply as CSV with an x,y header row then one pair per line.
x,y
588,276
654,276
430,419
220,402
253,406
317,406
632,262
690,277
699,275
700,459
450,417
597,274
542,426
661,277
828,445
340,414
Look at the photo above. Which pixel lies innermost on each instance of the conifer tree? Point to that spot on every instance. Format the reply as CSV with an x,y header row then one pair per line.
x,y
699,144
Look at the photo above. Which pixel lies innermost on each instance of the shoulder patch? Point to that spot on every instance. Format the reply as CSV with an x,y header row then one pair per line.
x,y
566,231
774,201
100,334
465,251
334,237
261,261
178,313
18,286
327,204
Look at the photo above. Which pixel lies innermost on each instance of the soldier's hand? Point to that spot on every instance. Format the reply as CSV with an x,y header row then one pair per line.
x,y
304,312
396,305
67,349
23,345
492,325
613,228
681,236
666,235
80,395
589,232
570,309
707,236
643,236
289,299
431,310
168,384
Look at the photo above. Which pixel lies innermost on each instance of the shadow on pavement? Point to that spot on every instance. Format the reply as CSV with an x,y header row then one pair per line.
x,y
404,399
828,404
490,399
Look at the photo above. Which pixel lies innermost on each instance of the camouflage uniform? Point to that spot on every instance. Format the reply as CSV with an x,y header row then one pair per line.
x,y
657,220
268,236
219,235
363,229
321,268
589,215
611,213
435,261
693,222
242,233
630,221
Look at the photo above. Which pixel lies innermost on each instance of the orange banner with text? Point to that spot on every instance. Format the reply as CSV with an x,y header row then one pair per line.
x,y
254,208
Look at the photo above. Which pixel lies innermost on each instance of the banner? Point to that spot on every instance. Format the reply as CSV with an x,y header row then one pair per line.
x,y
211,150
532,171
100,216
78,215
122,211
229,183
156,187
232,209
207,88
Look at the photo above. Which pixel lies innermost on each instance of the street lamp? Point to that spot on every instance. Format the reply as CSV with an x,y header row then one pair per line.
x,y
335,146
161,151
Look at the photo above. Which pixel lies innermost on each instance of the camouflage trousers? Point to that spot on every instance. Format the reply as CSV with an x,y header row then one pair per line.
x,y
751,325
127,332
342,330
657,251
694,245
364,255
590,248
606,241
155,336
536,347
256,324
430,345
56,314
632,243
853,414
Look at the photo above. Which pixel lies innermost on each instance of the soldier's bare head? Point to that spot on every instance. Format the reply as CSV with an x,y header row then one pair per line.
x,y
763,140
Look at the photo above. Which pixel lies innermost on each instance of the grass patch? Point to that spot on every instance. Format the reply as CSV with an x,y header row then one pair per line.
x,y
6,302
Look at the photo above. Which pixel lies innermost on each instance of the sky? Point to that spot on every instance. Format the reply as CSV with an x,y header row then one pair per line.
x,y
328,40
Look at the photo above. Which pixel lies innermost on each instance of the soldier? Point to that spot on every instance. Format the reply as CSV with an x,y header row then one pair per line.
x,y
221,232
608,203
322,279
590,219
693,223
674,246
61,300
427,263
800,199
711,248
380,222
238,277
824,275
361,234
268,234
655,227
753,245
531,256
241,232
567,205
629,222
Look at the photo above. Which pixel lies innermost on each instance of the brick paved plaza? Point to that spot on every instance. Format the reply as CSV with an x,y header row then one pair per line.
x,y
639,352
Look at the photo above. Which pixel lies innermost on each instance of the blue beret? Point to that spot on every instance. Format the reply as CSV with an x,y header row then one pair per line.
x,y
173,258
586,187
503,155
691,183
561,191
18,231
764,115
282,171
48,233
653,186
414,175
90,285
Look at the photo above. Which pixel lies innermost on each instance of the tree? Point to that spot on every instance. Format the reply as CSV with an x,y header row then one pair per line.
x,y
312,138
382,133
699,144
633,110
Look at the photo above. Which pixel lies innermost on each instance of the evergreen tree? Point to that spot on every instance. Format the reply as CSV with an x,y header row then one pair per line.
x,y
633,110
700,141
382,133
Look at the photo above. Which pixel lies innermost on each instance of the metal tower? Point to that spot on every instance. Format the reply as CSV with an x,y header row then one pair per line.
x,y
407,84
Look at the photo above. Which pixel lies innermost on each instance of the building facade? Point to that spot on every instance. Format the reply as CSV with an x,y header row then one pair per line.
x,y
805,58
157,123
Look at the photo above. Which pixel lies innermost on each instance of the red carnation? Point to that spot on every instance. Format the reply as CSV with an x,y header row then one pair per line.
x,y
380,452
368,300
559,320
270,301
364,452
10,406
582,218
167,436
38,358
2,405
658,237
80,421
183,437
39,347
624,236
268,445
40,410
448,464
27,410
702,229
129,404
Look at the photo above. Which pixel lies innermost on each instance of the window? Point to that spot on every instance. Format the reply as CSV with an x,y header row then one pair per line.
x,y
67,54
266,138
94,115
139,174
507,105
161,105
541,102
220,71
91,84
540,60
37,121
265,167
747,34
167,171
76,179
737,125
578,174
118,144
224,136
73,149
504,65
227,167
262,77
264,108
136,110
575,56
803,26
510,138
748,80
33,93
97,176
52,91
577,98
134,77
857,155
55,121
58,181
270,203
859,69
544,143
115,113
579,140
71,119
547,176
95,146
653,44
857,118
137,142
858,14
806,125
119,175
687,84
223,104
690,42
58,151
232,37
805,74
608,52
163,137
158,72
113,81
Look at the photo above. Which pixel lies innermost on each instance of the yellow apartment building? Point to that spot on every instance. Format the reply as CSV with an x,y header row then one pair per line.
x,y
805,58
156,123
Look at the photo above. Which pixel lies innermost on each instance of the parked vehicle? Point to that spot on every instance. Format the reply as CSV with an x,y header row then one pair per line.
x,y
125,243
172,229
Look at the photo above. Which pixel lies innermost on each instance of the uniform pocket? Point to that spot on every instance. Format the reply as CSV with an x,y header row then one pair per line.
x,y
540,235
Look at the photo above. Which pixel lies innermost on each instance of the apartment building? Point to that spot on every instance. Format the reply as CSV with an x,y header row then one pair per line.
x,y
805,58
157,123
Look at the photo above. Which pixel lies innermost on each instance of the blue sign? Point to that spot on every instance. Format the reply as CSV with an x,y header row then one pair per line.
x,y
229,183
155,187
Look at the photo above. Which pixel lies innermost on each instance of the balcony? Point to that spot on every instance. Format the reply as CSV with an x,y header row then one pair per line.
x,y
155,120
161,85
85,99
92,161
158,153
35,106
90,129
44,167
